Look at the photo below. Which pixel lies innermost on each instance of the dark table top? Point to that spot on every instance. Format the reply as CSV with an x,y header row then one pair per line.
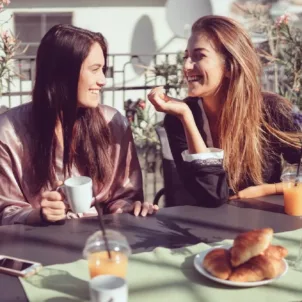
x,y
272,203
170,227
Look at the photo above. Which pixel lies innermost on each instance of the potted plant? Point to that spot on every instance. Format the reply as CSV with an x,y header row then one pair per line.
x,y
142,120
169,74
9,46
280,50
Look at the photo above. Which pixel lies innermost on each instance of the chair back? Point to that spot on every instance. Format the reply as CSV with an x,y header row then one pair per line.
x,y
3,109
175,193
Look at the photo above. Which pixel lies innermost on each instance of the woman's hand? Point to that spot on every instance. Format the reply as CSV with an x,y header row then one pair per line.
x,y
138,208
164,103
52,206
258,191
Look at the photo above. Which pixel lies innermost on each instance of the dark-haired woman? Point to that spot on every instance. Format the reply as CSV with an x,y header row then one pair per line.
x,y
64,132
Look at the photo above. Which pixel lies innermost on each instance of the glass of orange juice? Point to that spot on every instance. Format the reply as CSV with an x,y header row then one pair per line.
x,y
99,261
292,190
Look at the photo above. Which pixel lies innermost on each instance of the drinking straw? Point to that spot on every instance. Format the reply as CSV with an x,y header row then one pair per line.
x,y
102,227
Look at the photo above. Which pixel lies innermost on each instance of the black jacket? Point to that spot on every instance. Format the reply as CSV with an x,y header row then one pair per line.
x,y
208,183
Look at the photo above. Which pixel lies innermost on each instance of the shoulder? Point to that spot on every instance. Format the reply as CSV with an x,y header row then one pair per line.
x,y
278,111
14,121
273,101
113,117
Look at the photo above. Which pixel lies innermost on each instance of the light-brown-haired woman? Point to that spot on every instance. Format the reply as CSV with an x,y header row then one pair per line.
x,y
228,137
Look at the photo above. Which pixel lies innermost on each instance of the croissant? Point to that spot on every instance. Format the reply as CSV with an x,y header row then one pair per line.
x,y
217,262
250,244
258,268
276,251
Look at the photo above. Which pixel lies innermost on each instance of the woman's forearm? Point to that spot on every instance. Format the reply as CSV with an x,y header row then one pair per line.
x,y
259,191
272,189
279,188
19,215
195,142
34,218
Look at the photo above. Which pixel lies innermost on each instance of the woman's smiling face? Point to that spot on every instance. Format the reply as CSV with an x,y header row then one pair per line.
x,y
92,78
204,66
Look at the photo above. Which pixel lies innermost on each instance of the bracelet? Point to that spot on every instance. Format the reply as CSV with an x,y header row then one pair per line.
x,y
276,188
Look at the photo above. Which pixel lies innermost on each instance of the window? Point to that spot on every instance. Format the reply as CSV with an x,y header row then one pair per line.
x,y
31,27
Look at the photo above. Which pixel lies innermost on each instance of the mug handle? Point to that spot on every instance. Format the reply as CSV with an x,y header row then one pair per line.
x,y
62,188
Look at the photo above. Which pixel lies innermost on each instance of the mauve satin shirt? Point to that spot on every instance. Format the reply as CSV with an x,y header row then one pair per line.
x,y
16,199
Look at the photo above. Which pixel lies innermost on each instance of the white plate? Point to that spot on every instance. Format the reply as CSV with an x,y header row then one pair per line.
x,y
198,260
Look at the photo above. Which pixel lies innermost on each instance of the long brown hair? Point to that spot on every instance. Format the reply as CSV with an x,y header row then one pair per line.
x,y
86,136
244,121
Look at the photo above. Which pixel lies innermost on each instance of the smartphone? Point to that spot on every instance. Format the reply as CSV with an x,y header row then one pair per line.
x,y
18,267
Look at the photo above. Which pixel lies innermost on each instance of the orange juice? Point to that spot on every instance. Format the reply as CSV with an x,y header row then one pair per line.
x,y
100,264
292,198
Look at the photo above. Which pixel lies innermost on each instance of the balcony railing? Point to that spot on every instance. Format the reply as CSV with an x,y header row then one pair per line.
x,y
129,77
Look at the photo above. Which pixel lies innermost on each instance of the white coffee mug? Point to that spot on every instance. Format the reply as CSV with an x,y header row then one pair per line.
x,y
108,288
78,193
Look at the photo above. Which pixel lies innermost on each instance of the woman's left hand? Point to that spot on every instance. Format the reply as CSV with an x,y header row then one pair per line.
x,y
140,209
257,191
166,104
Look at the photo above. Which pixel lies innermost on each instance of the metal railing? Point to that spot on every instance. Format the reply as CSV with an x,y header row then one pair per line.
x,y
126,73
129,77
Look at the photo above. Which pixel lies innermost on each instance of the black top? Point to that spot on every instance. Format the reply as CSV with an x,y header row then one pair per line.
x,y
208,183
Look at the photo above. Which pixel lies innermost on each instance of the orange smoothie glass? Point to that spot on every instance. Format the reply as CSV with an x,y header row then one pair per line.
x,y
98,261
292,194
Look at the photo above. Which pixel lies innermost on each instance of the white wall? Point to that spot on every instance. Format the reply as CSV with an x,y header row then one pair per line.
x,y
129,29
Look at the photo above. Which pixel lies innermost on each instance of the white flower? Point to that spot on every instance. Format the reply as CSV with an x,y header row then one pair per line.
x,y
296,109
139,131
143,124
